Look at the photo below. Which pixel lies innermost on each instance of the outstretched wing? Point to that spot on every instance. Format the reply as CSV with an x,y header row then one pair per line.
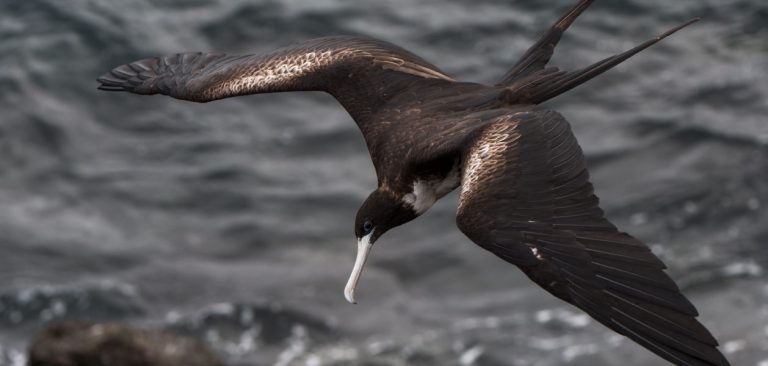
x,y
527,198
345,66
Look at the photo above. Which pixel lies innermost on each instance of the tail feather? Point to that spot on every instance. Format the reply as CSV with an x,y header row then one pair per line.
x,y
548,83
538,55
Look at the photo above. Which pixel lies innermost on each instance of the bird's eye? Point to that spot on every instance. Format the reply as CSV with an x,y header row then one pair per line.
x,y
367,226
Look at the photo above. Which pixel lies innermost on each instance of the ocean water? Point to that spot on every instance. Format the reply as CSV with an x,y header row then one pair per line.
x,y
232,221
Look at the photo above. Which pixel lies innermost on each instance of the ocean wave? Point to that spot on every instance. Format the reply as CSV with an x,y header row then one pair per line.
x,y
39,305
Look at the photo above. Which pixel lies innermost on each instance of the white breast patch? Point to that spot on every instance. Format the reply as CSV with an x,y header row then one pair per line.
x,y
422,197
427,192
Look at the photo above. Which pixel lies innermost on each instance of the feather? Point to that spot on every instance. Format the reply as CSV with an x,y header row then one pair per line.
x,y
539,182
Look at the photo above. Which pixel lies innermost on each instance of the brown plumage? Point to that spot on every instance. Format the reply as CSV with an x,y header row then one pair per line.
x,y
525,190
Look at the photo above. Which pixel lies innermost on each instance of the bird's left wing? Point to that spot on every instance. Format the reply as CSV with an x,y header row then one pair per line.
x,y
358,71
526,197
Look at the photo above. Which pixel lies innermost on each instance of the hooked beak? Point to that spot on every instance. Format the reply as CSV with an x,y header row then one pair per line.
x,y
363,249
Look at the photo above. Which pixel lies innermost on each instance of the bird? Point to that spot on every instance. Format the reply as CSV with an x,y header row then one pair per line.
x,y
525,193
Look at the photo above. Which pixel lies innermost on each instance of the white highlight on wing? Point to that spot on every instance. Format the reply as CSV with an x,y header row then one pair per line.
x,y
283,69
287,68
536,253
487,158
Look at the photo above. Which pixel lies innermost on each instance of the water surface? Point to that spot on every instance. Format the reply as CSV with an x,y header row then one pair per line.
x,y
232,220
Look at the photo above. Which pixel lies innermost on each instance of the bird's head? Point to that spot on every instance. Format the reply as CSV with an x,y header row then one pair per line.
x,y
382,211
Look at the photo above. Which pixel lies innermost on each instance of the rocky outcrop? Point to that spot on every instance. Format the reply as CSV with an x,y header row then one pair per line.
x,y
77,344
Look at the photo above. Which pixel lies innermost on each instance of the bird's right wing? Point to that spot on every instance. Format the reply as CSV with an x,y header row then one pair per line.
x,y
526,197
359,71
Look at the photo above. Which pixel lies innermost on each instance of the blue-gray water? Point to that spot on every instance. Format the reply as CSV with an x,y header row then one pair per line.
x,y
232,220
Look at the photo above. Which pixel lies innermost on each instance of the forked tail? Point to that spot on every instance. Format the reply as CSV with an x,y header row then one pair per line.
x,y
530,81
537,56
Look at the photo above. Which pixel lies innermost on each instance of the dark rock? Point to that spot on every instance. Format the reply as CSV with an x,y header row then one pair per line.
x,y
77,344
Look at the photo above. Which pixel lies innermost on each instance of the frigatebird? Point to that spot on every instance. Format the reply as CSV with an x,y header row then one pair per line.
x,y
525,190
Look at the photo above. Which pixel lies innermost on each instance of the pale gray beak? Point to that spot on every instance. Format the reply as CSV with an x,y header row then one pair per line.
x,y
363,249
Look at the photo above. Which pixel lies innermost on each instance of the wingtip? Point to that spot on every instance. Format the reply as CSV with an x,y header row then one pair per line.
x,y
679,27
113,82
691,21
110,88
567,19
109,84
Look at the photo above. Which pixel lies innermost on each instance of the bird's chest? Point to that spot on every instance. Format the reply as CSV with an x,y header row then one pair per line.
x,y
426,189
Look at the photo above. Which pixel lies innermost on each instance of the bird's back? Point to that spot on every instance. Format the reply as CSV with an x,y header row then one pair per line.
x,y
430,121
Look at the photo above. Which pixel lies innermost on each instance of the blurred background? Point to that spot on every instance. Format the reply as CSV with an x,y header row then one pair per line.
x,y
232,221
